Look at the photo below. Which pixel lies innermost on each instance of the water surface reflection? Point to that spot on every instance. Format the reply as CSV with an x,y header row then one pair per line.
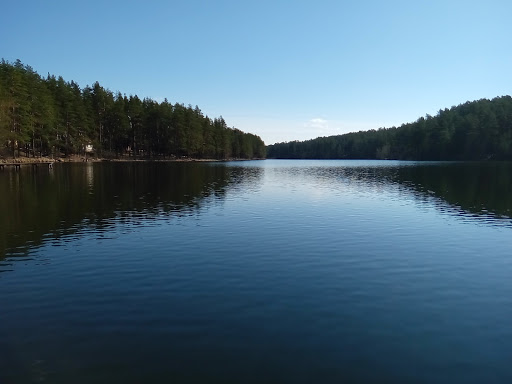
x,y
42,204
48,204
270,271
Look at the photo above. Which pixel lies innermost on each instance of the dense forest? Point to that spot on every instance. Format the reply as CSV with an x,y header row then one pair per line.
x,y
478,130
52,117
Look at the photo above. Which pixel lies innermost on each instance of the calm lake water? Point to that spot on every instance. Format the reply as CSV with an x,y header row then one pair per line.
x,y
250,272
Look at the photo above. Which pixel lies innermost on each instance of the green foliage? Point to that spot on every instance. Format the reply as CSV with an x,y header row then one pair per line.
x,y
50,116
478,130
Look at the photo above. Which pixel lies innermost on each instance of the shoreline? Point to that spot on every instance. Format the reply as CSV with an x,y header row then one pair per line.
x,y
82,159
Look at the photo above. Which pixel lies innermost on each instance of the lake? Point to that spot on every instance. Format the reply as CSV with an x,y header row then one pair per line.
x,y
268,271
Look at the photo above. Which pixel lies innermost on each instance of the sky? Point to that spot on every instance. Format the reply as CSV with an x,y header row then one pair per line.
x,y
284,70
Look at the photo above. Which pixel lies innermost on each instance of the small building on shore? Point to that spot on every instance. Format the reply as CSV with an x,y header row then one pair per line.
x,y
89,148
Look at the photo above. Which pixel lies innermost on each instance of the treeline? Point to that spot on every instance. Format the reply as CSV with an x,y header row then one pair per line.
x,y
50,116
478,130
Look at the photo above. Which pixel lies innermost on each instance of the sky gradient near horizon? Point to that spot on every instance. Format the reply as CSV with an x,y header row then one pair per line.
x,y
284,70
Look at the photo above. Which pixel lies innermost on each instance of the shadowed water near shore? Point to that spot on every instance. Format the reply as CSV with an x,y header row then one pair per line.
x,y
40,205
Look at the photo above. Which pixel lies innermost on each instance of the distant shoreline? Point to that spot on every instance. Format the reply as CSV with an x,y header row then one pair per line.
x,y
82,159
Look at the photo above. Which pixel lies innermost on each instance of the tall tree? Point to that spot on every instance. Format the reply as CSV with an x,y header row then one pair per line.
x,y
52,116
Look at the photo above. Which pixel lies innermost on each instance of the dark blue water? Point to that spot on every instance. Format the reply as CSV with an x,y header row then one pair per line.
x,y
267,271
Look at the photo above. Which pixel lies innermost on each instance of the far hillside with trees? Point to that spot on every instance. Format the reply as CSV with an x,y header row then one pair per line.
x,y
53,117
478,130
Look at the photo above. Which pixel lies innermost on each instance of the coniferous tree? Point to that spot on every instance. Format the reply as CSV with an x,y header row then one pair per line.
x,y
51,116
478,130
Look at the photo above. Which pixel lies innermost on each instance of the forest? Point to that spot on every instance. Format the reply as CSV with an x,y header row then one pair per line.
x,y
52,117
477,130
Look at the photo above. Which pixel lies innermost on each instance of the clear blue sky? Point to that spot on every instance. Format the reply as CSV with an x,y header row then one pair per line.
x,y
285,70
